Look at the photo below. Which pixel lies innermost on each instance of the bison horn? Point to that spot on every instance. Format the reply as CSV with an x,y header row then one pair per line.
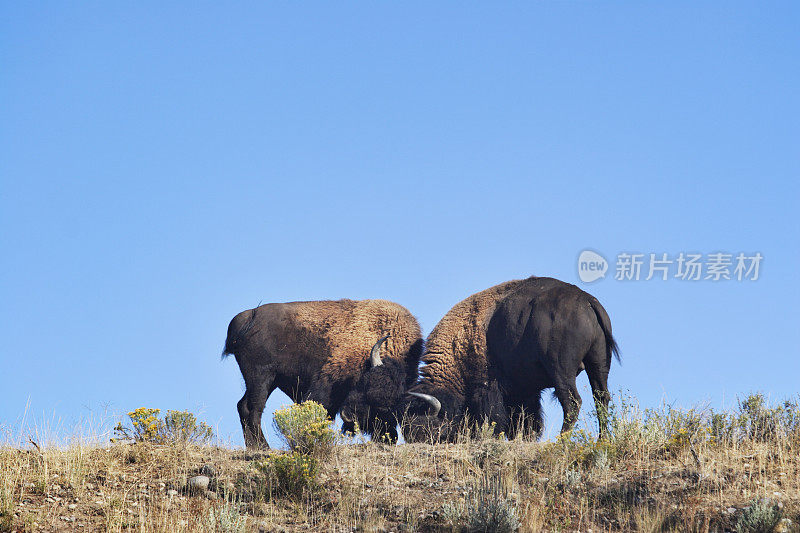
x,y
375,353
436,404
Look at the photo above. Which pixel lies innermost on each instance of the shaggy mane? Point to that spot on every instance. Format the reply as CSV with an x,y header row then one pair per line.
x,y
457,345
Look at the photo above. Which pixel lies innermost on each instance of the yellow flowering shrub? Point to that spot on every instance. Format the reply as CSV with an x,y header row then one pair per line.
x,y
306,428
292,474
144,425
176,427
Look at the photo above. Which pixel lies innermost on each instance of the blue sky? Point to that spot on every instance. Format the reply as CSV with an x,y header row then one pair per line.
x,y
163,167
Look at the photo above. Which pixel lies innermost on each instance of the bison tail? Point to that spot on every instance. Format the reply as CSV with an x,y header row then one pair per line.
x,y
237,329
612,348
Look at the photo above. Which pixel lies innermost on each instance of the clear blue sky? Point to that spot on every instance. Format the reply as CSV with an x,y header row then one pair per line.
x,y
165,167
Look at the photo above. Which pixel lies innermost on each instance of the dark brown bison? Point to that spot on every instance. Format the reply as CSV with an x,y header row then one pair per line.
x,y
492,354
323,351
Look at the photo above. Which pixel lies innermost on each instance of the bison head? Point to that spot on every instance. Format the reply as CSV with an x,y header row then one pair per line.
x,y
374,401
441,415
424,421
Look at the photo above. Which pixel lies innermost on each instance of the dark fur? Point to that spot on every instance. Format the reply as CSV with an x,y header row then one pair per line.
x,y
320,351
524,337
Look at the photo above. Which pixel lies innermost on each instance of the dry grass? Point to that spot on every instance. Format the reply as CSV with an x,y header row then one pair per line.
x,y
645,478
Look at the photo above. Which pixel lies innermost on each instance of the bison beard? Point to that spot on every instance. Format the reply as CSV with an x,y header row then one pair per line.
x,y
326,351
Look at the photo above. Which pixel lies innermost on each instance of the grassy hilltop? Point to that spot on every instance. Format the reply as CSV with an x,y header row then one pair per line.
x,y
662,470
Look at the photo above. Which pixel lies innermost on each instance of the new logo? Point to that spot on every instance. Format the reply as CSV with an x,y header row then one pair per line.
x,y
591,266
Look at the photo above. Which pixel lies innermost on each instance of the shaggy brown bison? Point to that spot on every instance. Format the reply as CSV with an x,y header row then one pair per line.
x,y
492,354
324,351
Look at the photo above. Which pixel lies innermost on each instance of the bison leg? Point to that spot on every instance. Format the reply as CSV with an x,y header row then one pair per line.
x,y
244,418
251,407
597,371
570,400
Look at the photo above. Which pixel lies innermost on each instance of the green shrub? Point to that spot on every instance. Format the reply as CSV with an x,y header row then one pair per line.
x,y
572,478
452,512
761,517
183,427
176,427
722,428
632,431
291,474
488,510
226,518
598,460
681,428
758,421
658,431
306,428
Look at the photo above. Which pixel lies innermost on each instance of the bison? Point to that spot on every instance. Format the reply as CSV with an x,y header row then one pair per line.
x,y
324,351
492,354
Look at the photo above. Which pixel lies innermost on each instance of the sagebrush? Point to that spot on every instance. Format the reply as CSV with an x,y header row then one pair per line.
x,y
175,427
306,428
